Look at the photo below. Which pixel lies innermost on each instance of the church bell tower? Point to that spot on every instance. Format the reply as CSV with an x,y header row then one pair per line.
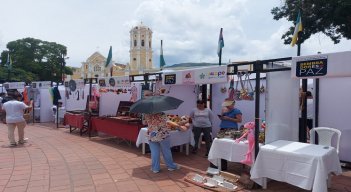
x,y
140,49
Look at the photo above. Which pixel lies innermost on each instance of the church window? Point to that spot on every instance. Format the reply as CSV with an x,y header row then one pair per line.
x,y
97,68
150,60
150,44
134,59
135,43
142,43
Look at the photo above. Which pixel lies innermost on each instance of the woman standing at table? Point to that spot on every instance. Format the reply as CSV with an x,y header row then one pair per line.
x,y
230,118
202,119
158,135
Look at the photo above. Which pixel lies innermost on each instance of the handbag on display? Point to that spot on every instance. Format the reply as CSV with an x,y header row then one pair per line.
x,y
93,103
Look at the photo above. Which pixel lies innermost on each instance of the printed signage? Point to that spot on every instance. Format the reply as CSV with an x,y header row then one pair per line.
x,y
102,83
311,68
14,85
211,75
170,79
188,77
41,84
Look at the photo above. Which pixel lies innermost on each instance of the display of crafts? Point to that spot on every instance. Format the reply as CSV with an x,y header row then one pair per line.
x,y
230,134
246,91
117,91
175,122
233,134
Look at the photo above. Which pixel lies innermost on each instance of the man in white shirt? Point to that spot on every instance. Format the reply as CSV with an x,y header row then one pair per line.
x,y
14,118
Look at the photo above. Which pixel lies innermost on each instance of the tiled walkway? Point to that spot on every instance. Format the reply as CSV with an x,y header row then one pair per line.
x,y
55,160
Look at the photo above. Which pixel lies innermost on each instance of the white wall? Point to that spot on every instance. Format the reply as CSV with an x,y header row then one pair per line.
x,y
109,101
282,107
185,93
45,106
72,103
334,110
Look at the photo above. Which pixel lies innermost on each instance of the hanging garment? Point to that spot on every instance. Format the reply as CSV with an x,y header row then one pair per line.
x,y
56,95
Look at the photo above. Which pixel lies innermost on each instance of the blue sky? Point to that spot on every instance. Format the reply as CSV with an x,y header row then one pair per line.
x,y
189,28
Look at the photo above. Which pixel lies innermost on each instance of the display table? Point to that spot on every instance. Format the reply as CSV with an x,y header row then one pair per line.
x,y
228,149
301,164
75,121
176,137
119,128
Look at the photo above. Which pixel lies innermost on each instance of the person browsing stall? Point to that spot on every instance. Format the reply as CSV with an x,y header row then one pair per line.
x,y
14,118
159,141
202,119
230,116
230,119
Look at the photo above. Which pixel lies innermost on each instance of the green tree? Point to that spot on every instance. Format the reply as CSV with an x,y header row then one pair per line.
x,y
331,17
34,60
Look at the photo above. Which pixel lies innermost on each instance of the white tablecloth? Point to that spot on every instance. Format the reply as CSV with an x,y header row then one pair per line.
x,y
229,150
300,164
176,137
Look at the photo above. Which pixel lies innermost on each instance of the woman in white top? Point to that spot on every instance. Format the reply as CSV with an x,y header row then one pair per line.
x,y
202,118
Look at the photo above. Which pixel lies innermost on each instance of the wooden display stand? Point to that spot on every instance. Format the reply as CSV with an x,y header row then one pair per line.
x,y
125,126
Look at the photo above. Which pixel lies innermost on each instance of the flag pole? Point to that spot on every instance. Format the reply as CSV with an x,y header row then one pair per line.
x,y
220,47
161,67
302,131
220,58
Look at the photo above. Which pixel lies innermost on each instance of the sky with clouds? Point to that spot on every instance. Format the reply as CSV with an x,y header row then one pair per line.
x,y
189,28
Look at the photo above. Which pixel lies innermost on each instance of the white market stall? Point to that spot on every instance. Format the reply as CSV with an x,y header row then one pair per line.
x,y
221,91
113,90
42,101
184,85
76,94
332,92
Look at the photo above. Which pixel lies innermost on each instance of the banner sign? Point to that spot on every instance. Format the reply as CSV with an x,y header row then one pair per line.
x,y
102,82
211,75
113,82
206,75
322,65
14,85
41,84
170,79
317,67
122,81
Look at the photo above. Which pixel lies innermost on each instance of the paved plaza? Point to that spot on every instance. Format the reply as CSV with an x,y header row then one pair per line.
x,y
56,160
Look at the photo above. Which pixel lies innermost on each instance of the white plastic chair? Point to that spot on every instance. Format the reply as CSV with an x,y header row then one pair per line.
x,y
325,135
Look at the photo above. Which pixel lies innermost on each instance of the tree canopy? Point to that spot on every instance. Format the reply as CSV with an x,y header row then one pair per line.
x,y
33,60
331,17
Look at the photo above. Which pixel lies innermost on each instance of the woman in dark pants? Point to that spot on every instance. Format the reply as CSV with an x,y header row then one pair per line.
x,y
202,123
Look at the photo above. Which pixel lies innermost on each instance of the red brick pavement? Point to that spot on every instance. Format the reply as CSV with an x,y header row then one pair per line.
x,y
55,160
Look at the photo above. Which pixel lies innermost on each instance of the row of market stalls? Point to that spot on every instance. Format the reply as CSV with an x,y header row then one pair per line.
x,y
266,90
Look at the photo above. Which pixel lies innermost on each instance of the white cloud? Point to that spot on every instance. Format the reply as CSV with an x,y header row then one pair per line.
x,y
189,28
